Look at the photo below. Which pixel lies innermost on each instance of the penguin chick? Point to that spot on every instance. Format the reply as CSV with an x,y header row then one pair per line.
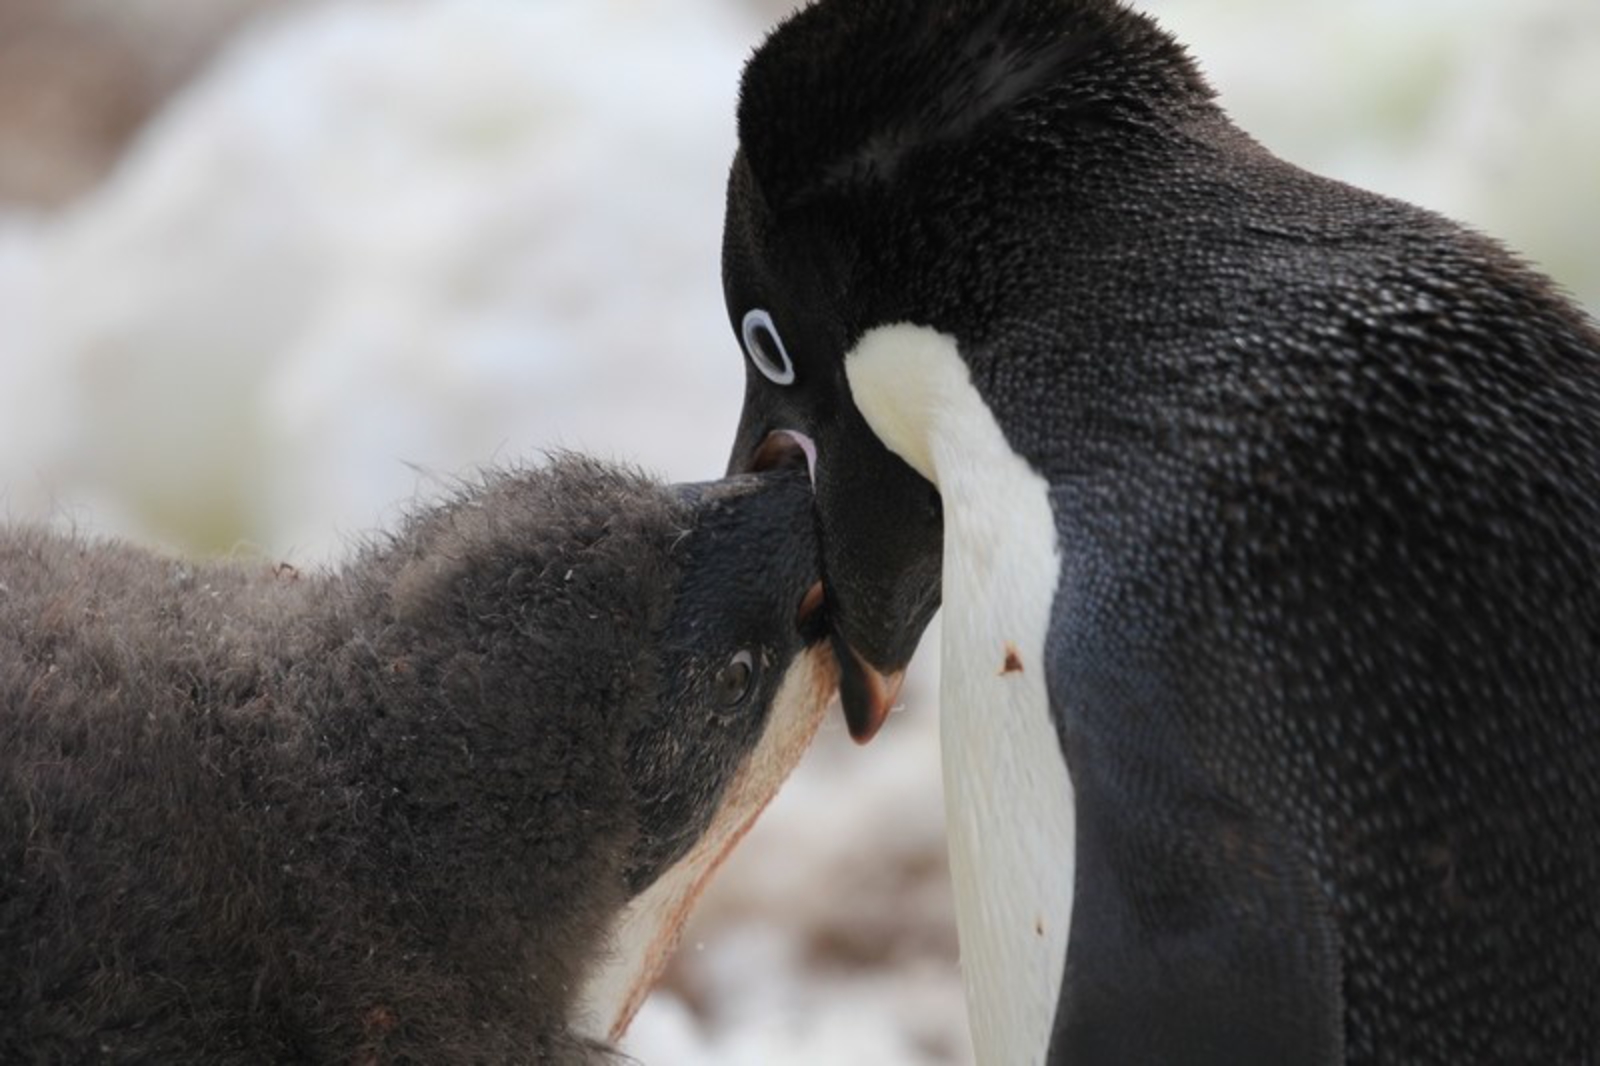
x,y
393,813
1265,513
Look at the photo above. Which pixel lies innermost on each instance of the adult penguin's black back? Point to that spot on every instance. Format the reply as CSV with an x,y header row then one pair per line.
x,y
1323,481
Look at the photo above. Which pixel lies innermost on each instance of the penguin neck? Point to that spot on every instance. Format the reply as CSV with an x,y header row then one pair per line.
x,y
431,717
1008,796
642,937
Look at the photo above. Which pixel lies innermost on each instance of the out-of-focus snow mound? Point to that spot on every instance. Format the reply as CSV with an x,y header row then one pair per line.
x,y
383,236
79,77
437,233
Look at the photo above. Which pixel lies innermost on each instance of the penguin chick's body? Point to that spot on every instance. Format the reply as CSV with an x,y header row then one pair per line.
x,y
1268,512
387,814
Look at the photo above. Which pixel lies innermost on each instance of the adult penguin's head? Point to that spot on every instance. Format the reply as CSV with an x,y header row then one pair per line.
x,y
909,164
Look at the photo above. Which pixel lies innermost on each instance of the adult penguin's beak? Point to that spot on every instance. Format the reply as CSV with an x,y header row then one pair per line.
x,y
880,531
867,693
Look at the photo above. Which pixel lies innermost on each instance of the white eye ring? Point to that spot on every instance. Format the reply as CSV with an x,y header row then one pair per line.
x,y
733,681
765,348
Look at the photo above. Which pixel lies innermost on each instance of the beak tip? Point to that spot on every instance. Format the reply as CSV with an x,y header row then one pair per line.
x,y
864,732
868,694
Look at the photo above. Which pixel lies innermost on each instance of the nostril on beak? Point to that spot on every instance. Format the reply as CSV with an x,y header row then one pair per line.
x,y
783,449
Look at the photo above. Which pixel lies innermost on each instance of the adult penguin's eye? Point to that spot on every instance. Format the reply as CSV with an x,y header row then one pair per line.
x,y
765,348
732,683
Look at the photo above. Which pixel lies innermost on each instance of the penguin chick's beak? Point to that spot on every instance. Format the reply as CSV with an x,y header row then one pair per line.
x,y
868,694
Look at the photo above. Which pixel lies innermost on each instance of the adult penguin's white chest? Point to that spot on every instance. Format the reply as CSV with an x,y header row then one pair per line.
x,y
1008,798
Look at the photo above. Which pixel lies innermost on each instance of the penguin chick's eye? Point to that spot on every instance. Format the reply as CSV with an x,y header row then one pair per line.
x,y
733,680
765,348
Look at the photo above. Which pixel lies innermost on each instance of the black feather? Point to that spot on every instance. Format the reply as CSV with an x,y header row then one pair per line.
x,y
1325,472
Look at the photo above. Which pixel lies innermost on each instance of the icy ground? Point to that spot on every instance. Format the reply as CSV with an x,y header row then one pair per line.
x,y
379,243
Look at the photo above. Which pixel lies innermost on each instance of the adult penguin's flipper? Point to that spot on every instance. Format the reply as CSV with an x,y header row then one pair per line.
x,y
1201,941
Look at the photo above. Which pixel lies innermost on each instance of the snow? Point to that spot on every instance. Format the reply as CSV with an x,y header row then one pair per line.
x,y
432,234
382,242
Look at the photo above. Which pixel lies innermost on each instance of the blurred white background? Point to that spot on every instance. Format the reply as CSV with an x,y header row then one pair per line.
x,y
269,272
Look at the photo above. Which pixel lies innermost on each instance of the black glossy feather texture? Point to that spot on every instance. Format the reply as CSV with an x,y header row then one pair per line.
x,y
384,814
932,75
1325,473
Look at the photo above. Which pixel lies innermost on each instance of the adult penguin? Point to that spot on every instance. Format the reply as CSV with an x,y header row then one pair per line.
x,y
1267,513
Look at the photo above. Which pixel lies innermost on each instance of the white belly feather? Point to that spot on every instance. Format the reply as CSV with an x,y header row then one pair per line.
x,y
1008,798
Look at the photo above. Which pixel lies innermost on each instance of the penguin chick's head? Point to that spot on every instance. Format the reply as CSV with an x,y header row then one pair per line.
x,y
745,616
897,162
622,642
743,680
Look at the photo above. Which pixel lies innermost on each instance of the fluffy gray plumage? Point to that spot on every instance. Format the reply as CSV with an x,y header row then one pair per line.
x,y
250,815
